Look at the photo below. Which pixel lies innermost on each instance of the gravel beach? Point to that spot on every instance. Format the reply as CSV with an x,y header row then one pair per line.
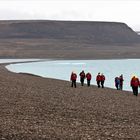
x,y
35,108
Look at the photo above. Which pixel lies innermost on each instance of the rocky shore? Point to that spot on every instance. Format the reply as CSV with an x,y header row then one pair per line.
x,y
35,108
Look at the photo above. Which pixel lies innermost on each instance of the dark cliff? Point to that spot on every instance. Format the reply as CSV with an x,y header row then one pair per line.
x,y
92,32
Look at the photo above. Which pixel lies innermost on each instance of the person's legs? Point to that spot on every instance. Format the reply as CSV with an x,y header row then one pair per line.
x,y
82,81
72,83
75,83
136,92
121,86
117,86
88,83
98,83
102,83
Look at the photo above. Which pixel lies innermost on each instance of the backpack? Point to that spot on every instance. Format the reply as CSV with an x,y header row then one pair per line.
x,y
74,76
117,80
82,75
88,76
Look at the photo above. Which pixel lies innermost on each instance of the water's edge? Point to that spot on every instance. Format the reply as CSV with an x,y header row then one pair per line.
x,y
61,69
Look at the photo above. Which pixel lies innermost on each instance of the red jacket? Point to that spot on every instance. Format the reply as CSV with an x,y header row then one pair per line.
x,y
102,78
88,76
73,76
98,78
82,75
121,80
135,82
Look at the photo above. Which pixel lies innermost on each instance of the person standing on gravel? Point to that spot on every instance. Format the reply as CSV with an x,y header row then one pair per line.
x,y
121,82
88,76
102,80
73,79
135,83
117,83
82,77
98,79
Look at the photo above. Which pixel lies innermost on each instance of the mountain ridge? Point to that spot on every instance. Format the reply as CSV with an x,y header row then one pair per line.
x,y
85,31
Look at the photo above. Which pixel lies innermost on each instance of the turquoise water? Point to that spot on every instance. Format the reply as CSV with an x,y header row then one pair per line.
x,y
61,69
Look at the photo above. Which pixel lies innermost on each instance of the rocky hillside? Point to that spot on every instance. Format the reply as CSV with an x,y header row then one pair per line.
x,y
92,32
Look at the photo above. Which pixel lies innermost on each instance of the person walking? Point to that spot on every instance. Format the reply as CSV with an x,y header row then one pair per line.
x,y
102,80
121,82
88,76
135,83
73,79
98,79
117,83
82,77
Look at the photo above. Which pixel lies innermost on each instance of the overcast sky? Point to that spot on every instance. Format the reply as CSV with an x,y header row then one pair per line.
x,y
126,11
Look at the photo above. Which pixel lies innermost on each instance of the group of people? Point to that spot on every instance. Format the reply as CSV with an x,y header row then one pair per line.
x,y
119,82
83,76
134,83
100,78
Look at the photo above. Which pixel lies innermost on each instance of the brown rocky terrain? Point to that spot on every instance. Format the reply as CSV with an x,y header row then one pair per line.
x,y
35,108
48,48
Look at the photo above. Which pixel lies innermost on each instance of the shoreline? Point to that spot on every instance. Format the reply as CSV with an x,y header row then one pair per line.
x,y
42,108
58,78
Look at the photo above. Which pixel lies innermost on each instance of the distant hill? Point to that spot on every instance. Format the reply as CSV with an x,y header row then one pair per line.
x,y
80,31
138,32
